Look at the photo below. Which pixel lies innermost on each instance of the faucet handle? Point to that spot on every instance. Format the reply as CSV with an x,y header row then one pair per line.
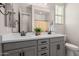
x,y
22,33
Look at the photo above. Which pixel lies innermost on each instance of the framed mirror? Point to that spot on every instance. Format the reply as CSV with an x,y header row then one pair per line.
x,y
25,19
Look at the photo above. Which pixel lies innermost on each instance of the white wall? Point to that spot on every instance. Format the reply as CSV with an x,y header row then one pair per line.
x,y
72,23
3,29
59,28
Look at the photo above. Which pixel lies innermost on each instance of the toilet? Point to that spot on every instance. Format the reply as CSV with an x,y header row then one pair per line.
x,y
71,49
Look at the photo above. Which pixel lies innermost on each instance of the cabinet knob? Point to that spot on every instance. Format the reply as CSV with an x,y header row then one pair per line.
x,y
20,54
58,46
44,42
23,53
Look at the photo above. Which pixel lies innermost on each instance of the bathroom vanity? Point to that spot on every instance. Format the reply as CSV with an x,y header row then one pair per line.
x,y
42,45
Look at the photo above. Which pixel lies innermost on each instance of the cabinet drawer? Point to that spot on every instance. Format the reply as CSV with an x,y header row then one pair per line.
x,y
43,47
57,39
16,45
43,53
43,41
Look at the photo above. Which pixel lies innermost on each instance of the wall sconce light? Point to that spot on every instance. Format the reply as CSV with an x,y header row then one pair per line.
x,y
4,13
2,5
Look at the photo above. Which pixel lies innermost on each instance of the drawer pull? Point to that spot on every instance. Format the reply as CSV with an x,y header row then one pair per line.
x,y
44,54
23,53
20,54
44,42
43,47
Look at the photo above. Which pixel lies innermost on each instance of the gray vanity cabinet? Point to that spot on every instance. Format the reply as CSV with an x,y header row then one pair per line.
x,y
41,47
57,47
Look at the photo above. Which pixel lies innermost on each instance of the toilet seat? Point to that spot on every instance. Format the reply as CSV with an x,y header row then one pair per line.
x,y
72,47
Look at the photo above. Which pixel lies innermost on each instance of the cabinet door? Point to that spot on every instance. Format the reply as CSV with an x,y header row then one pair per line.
x,y
57,49
12,53
60,48
53,49
30,51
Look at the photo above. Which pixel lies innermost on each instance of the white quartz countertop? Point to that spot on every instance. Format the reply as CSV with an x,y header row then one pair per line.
x,y
29,36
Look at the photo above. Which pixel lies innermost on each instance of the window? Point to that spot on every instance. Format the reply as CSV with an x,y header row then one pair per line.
x,y
59,14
